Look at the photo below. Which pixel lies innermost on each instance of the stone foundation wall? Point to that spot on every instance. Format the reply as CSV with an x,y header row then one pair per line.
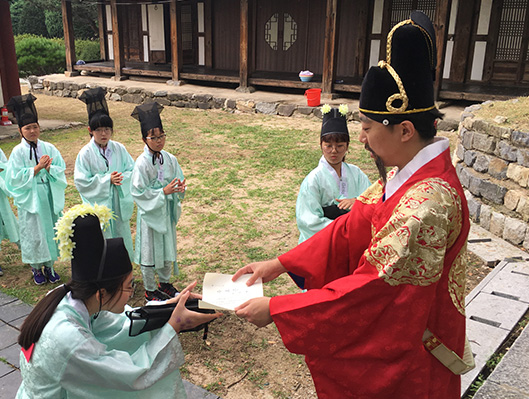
x,y
492,162
138,95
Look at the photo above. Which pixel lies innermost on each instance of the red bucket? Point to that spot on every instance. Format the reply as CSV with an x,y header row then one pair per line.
x,y
313,97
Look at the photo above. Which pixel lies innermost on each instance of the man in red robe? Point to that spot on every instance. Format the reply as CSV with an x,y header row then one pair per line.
x,y
385,283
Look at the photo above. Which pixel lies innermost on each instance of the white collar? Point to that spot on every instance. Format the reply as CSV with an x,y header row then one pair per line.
x,y
439,145
323,162
79,306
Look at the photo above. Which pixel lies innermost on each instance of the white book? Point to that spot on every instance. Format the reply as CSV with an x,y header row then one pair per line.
x,y
219,292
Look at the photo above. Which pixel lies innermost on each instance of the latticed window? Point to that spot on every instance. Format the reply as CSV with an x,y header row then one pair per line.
x,y
511,30
401,9
281,27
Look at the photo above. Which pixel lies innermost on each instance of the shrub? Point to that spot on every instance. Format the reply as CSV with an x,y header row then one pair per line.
x,y
39,56
87,50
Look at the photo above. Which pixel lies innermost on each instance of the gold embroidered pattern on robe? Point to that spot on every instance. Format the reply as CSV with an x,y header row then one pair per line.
x,y
374,192
457,280
410,248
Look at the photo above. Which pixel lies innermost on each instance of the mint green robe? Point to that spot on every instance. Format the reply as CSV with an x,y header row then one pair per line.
x,y
78,357
39,199
8,221
320,188
157,213
92,179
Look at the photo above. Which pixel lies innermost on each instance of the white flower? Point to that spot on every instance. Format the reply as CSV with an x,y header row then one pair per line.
x,y
343,109
65,224
325,109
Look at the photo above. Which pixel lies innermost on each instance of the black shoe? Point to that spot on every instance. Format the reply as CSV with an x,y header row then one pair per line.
x,y
168,289
156,295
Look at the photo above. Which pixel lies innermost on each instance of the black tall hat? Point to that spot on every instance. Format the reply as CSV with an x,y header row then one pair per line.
x,y
149,116
24,109
95,101
402,85
94,257
334,122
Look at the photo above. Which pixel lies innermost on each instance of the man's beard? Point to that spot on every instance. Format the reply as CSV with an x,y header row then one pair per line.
x,y
379,164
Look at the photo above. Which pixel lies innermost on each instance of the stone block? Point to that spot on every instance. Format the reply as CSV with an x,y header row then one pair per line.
x,y
460,151
304,110
179,104
115,97
120,90
467,119
499,311
519,174
514,230
245,106
492,191
60,85
160,93
466,138
463,174
134,90
219,102
512,197
500,131
53,85
191,104
132,98
474,185
512,282
481,163
175,96
485,216
148,93
497,168
520,138
205,98
506,151
523,208
285,109
317,112
523,157
474,208
204,105
266,108
162,101
470,157
484,142
497,223
231,104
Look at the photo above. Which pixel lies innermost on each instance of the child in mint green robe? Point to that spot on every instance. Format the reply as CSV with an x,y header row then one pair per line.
x,y
36,181
8,221
103,169
158,188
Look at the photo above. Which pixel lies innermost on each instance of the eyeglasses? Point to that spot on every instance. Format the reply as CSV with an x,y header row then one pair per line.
x,y
338,147
156,138
132,289
103,130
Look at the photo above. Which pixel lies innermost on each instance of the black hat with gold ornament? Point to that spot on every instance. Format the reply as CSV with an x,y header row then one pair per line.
x,y
401,87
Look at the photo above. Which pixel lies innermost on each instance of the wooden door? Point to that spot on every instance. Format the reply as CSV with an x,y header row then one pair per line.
x,y
508,56
289,35
188,32
132,33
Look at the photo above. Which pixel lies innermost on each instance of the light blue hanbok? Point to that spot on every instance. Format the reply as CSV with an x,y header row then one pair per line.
x,y
320,188
79,357
157,213
39,199
8,221
92,179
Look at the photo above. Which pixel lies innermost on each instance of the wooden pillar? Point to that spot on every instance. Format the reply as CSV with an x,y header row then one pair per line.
x,y
8,58
462,40
442,19
208,32
69,39
117,44
102,21
175,50
329,64
244,50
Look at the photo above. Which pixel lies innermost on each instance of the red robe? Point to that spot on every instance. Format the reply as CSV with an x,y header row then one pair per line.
x,y
377,278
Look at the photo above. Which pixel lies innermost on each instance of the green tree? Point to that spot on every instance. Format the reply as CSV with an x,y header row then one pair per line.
x,y
29,18
84,18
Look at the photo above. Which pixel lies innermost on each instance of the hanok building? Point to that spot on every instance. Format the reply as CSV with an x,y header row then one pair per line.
x,y
482,44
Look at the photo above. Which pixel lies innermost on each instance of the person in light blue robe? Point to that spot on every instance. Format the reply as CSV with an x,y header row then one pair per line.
x,y
8,221
36,181
103,169
76,344
158,188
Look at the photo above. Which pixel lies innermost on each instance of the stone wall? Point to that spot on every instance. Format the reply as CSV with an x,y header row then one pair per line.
x,y
138,95
492,162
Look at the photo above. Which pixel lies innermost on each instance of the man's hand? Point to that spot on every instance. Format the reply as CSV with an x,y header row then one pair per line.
x,y
256,311
267,270
346,203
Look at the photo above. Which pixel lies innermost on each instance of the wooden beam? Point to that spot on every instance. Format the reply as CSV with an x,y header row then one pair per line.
x,y
442,19
69,39
208,32
243,52
117,42
462,35
175,51
329,64
101,20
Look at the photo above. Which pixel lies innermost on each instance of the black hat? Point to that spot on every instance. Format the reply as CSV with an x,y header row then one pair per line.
x,y
402,86
334,121
24,109
95,101
149,116
93,258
